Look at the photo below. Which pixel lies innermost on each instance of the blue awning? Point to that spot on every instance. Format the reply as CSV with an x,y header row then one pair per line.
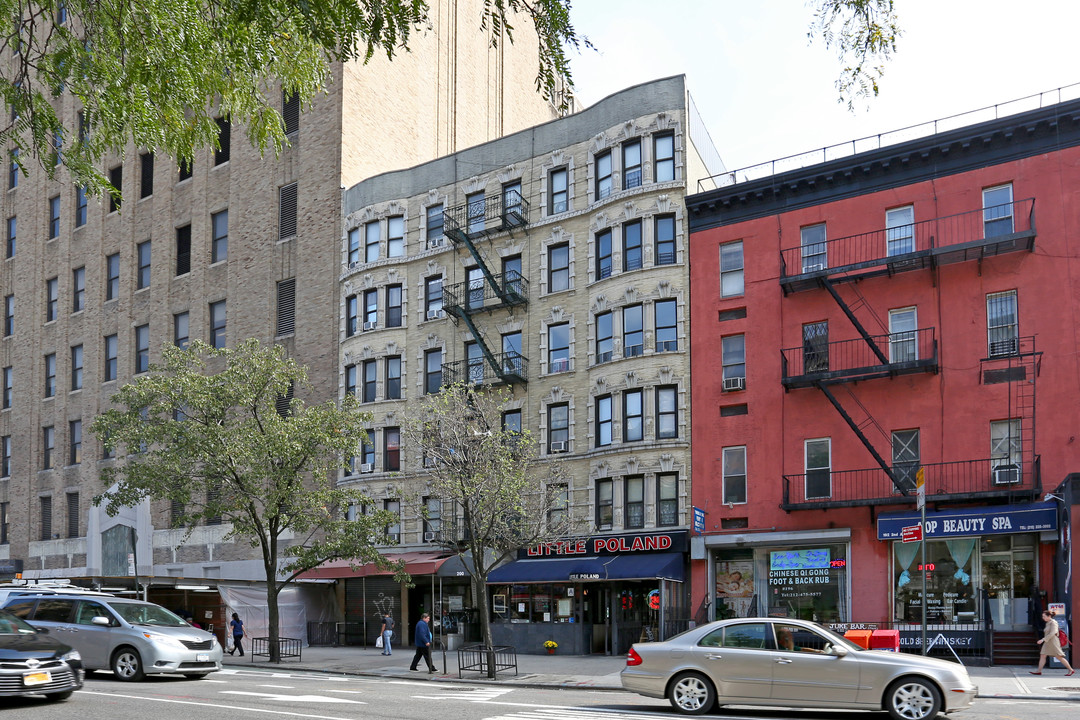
x,y
594,568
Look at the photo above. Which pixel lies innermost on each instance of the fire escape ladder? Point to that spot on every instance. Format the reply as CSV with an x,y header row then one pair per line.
x,y
466,317
854,321
862,437
463,237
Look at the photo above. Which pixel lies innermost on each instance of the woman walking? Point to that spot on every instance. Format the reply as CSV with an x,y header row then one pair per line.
x,y
238,634
1051,645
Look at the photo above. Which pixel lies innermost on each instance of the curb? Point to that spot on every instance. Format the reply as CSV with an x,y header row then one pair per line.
x,y
1003,696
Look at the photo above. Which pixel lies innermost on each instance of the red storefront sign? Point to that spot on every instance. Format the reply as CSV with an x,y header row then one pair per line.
x,y
674,541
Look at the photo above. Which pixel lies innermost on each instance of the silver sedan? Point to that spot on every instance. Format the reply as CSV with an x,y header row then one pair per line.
x,y
791,663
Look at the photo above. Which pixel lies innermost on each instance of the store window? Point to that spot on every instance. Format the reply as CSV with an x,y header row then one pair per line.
x,y
534,603
808,583
950,590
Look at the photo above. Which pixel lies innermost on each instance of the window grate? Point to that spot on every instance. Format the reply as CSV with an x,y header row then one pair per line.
x,y
287,212
146,175
290,113
46,518
283,402
73,514
286,307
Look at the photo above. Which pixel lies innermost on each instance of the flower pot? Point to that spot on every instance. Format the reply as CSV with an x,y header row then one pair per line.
x,y
551,651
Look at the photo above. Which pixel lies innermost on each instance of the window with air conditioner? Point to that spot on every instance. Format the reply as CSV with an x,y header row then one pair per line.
x,y
434,226
1005,451
1002,328
813,246
733,359
558,417
733,384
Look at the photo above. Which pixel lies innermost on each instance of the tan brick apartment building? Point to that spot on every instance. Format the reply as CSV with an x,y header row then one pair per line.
x,y
554,260
242,246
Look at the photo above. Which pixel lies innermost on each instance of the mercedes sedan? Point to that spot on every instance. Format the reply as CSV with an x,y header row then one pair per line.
x,y
791,663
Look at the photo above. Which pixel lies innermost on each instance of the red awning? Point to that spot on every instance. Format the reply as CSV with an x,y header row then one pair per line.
x,y
416,563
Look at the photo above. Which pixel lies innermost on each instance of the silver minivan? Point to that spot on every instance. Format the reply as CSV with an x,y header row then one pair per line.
x,y
130,637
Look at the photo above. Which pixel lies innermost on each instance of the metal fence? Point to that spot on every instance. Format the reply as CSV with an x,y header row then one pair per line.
x,y
287,648
479,658
322,633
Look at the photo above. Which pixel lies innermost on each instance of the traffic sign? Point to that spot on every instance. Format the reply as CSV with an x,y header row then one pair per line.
x,y
911,533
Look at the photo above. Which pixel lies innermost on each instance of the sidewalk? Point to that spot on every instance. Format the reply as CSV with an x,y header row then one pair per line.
x,y
599,672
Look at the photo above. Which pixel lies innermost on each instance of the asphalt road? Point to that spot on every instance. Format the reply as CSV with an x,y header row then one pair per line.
x,y
267,695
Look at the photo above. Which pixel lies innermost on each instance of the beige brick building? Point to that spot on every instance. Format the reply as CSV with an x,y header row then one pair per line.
x,y
242,246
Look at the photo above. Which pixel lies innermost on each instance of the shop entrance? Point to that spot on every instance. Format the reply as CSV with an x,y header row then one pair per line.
x,y
597,610
1008,571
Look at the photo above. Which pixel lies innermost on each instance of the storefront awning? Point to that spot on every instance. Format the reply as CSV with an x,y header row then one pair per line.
x,y
596,568
416,563
967,522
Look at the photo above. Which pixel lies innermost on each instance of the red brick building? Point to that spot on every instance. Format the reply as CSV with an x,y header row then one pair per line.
x,y
911,307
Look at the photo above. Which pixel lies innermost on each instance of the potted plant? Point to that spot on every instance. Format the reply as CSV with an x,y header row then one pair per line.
x,y
551,645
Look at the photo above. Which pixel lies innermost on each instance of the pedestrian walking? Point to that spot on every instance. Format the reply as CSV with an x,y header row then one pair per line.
x,y
386,632
1051,645
423,644
238,634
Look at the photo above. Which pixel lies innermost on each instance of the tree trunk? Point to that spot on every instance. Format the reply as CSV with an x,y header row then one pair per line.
x,y
272,619
480,592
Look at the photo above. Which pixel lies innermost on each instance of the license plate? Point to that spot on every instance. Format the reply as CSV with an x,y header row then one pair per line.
x,y
202,657
38,678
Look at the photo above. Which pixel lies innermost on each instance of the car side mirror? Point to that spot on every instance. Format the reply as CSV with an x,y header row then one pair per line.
x,y
100,620
42,630
837,650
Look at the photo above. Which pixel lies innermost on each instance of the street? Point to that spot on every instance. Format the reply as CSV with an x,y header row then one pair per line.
x,y
256,693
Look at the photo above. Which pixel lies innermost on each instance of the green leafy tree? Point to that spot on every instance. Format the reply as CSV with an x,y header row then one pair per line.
x,y
505,497
226,445
863,33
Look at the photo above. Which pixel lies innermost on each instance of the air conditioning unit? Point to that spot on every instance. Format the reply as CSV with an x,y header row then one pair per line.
x,y
813,267
434,314
367,468
734,383
1003,347
1006,474
559,446
354,264
436,242
429,461
369,326
430,536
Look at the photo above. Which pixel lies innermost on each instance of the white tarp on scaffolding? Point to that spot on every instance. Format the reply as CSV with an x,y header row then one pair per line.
x,y
296,605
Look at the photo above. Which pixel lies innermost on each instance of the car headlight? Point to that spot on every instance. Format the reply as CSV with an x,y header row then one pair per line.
x,y
71,655
164,640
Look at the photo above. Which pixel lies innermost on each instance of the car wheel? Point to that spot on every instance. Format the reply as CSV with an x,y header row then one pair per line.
x,y
59,697
127,665
692,693
913,699
195,676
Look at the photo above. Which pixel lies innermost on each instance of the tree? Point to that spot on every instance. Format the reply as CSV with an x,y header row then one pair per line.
x,y
505,497
864,34
156,73
228,445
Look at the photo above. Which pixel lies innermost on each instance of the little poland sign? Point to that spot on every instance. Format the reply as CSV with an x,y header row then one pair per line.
x,y
911,533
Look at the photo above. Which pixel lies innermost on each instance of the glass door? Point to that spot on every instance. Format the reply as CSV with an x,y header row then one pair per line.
x,y
1008,572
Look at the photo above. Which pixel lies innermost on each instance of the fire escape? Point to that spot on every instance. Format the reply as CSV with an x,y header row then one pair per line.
x,y
831,366
485,291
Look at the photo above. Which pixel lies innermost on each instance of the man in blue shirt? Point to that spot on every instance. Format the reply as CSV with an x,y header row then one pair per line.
x,y
423,643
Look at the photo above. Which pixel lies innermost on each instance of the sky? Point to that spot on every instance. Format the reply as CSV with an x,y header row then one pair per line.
x,y
766,92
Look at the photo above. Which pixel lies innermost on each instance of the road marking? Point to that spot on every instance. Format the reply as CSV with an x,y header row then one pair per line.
x,y
235,708
479,694
280,687
294,698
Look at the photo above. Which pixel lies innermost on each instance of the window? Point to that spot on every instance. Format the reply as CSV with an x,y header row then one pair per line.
x,y
76,367
111,354
116,179
558,197
1002,328
633,416
286,307
434,225
52,294
603,175
906,457
142,348
475,209
142,279
631,162
474,363
146,174
13,169
632,245
354,247
45,508
634,502
1006,451
513,362
474,282
9,389
667,413
9,315
667,492
558,428
391,449
559,348
74,442
558,268
393,377
367,449
290,112
50,375
54,217
350,380
371,241
731,269
814,248
78,289
665,240
57,146
818,463
633,331
183,250
80,206
352,315
371,309
221,152
5,471
816,347
48,447
900,230
369,375
667,336
605,503
432,518
433,297
603,421
287,212
395,236
734,474
733,355
432,371
998,211
393,530
605,342
73,514
219,243
181,324
217,324
664,156
603,254
902,335
393,306
112,276
183,171
12,225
